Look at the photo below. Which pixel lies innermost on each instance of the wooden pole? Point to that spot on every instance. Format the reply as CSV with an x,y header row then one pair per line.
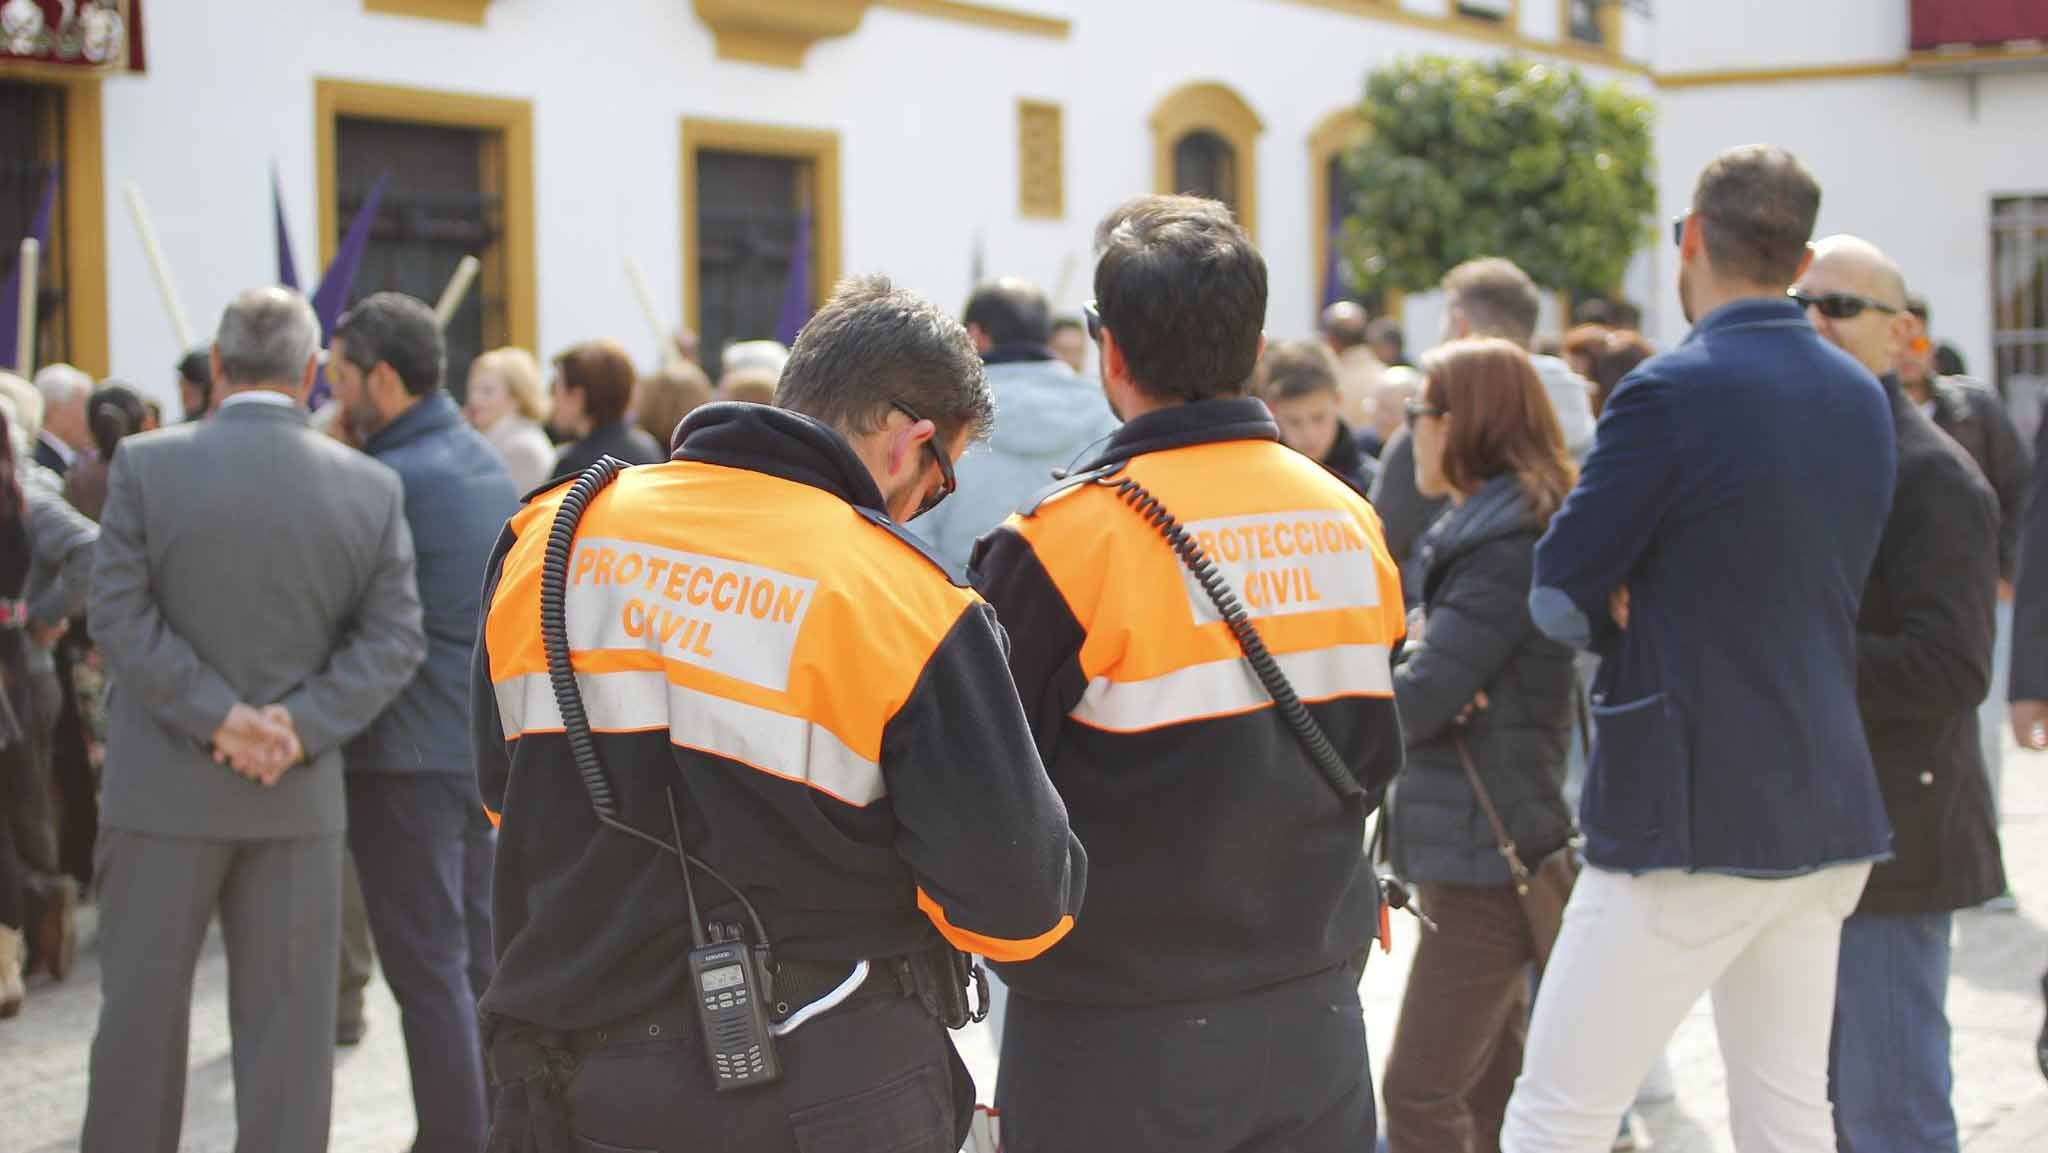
x,y
181,327
458,288
25,330
664,339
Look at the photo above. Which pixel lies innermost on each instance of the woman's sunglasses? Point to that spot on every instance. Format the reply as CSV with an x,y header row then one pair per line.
x,y
1418,409
1839,305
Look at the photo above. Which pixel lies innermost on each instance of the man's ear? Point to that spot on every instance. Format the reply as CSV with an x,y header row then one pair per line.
x,y
1805,262
220,378
1113,366
385,386
306,377
1905,327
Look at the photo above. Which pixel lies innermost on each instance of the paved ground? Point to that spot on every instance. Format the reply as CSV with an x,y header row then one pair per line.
x,y
1994,1001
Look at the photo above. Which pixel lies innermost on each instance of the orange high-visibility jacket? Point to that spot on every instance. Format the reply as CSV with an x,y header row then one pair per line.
x,y
833,712
1220,859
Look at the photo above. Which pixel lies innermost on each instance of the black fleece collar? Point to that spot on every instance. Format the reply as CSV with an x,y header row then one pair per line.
x,y
1198,422
780,443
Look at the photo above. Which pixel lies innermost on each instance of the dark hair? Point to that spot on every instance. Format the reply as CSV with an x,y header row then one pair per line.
x,y
1064,323
1295,368
873,346
398,330
1497,298
1501,421
1593,312
1344,324
196,367
1948,360
1757,206
603,373
1010,311
1387,330
112,412
668,396
1183,291
1615,359
1582,346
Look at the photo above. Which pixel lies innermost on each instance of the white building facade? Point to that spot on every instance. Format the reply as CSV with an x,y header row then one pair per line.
x,y
716,142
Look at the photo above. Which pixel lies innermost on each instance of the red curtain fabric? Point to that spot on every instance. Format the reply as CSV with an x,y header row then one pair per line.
x,y
1939,22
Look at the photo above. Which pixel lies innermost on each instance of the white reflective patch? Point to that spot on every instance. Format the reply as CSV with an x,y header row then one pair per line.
x,y
734,618
645,700
1307,561
1221,688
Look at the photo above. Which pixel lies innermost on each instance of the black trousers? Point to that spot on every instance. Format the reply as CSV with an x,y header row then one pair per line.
x,y
1277,1069
872,1075
407,832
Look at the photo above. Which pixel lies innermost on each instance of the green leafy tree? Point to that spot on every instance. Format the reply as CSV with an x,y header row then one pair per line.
x,y
1506,158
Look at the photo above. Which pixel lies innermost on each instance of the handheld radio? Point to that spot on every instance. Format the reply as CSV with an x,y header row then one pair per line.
x,y
729,978
729,993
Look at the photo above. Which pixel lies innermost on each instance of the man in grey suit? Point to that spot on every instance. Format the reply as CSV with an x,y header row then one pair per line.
x,y
254,598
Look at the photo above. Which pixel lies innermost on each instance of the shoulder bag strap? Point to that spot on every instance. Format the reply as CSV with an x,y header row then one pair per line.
x,y
1506,844
1585,721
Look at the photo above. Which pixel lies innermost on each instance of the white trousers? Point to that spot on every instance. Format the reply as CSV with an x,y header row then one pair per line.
x,y
1635,955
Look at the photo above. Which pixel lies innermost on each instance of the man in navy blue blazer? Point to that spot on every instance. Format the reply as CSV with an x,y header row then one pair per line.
x,y
1714,555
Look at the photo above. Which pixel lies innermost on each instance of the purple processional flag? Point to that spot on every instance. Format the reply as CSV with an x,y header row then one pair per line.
x,y
796,294
1334,288
10,292
330,299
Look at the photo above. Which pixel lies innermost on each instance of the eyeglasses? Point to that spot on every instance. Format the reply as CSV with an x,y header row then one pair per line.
x,y
1418,409
1839,305
947,480
1093,316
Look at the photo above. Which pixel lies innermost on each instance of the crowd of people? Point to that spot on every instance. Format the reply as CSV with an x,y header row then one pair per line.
x,y
1655,693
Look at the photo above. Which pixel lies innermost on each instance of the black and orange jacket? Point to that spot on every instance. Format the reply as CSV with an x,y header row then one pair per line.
x,y
1220,858
832,711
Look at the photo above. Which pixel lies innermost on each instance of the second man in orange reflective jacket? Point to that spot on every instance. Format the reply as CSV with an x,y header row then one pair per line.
x,y
1208,999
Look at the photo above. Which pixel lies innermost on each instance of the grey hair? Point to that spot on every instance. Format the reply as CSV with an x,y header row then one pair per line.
x,y
267,336
61,384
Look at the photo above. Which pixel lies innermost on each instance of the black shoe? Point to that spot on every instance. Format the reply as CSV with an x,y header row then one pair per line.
x,y
349,1034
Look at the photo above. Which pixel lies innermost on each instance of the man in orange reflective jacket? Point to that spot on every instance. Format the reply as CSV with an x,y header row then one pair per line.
x,y
754,632
1209,1001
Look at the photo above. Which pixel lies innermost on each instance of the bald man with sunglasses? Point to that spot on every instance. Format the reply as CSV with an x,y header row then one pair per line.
x,y
1923,665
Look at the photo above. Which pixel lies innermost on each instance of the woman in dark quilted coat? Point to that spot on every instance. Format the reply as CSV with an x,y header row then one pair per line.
x,y
1485,435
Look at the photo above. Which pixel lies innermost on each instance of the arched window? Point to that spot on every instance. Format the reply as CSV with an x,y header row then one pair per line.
x,y
1205,142
1206,165
1329,197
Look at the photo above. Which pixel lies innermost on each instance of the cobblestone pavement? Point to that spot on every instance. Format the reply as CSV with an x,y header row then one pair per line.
x,y
1994,1002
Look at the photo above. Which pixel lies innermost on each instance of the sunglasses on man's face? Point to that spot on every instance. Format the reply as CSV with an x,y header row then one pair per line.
x,y
1839,305
948,481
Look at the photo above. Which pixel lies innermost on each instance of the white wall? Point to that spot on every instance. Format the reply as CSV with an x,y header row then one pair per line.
x,y
925,109
1910,163
1718,35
